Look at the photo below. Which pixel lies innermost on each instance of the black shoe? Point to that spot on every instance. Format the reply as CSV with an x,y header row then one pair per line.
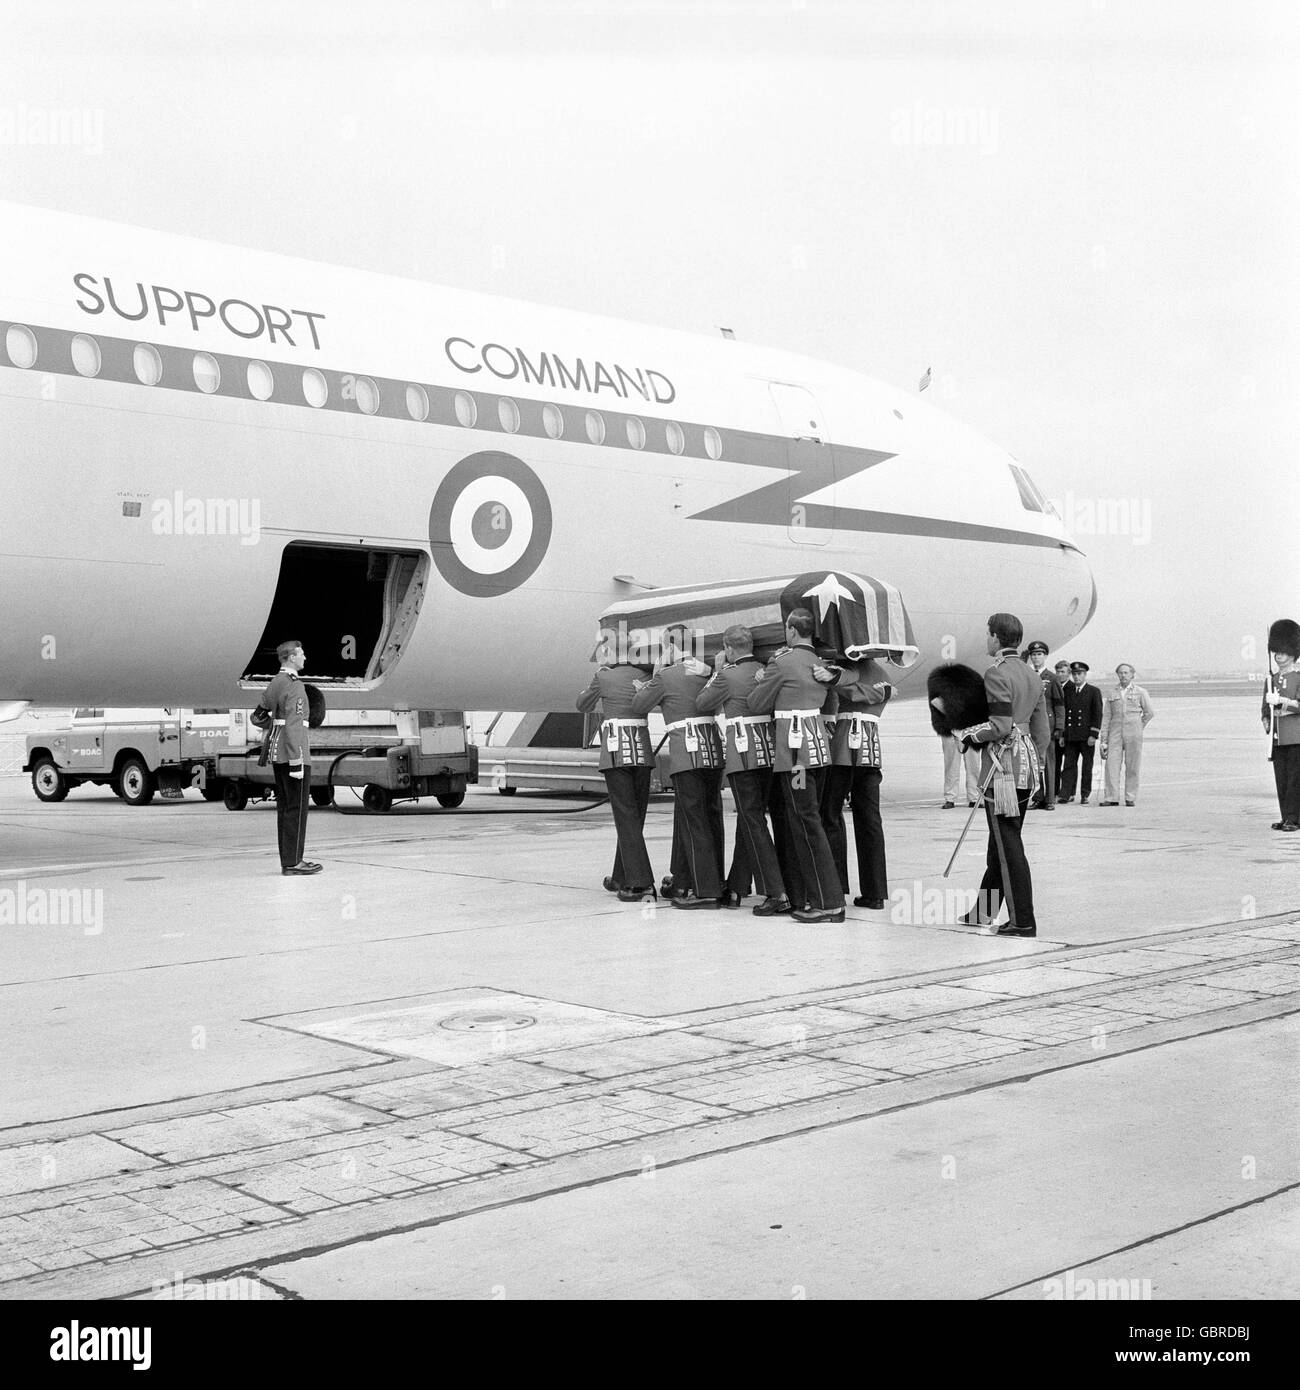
x,y
1017,931
1048,806
687,900
304,867
819,914
730,898
947,806
1064,800
608,884
1110,803
1083,801
1130,803
875,904
971,919
1290,825
972,803
1278,825
666,889
772,907
636,895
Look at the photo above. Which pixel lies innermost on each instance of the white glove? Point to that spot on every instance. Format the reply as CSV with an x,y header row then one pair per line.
x,y
1274,699
696,668
296,774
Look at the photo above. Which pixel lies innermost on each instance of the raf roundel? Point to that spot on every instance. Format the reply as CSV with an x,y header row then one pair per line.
x,y
490,524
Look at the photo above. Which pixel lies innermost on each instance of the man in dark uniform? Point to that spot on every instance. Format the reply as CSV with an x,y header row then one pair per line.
x,y
626,763
1280,712
285,702
1009,740
749,765
695,764
790,690
1036,655
1083,711
860,692
1062,673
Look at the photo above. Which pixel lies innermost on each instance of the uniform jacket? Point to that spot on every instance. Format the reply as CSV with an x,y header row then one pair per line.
x,y
749,745
674,691
788,684
1055,701
620,745
1287,730
286,700
855,732
1125,711
1017,705
1082,712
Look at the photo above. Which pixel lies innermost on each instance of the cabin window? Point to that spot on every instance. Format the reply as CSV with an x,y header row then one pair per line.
x,y
261,383
417,402
635,432
207,374
595,427
466,409
508,414
315,388
86,357
20,344
553,421
676,436
712,443
147,364
367,394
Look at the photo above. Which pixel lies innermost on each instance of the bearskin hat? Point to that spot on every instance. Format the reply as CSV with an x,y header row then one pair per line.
x,y
957,698
315,706
1284,637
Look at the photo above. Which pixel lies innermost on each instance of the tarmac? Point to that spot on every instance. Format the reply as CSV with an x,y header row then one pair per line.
x,y
451,1066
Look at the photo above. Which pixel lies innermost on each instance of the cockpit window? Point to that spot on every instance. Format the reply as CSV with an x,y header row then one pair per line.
x,y
1030,498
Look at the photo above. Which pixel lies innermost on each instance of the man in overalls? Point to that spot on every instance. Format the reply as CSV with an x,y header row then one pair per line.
x,y
1126,712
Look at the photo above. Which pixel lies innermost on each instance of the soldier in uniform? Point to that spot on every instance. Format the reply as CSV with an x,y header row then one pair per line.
x,y
1062,673
285,703
750,760
1009,741
695,764
1281,715
860,692
626,763
1082,730
790,690
1036,655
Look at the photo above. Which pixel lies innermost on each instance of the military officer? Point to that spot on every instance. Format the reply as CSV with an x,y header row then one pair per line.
x,y
789,689
626,763
1009,741
1127,712
695,762
285,703
1062,673
1036,655
1082,730
1281,715
750,759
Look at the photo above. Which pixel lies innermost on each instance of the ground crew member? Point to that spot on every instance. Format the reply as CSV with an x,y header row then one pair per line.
x,y
1009,741
790,690
285,702
1281,714
750,759
626,763
861,691
953,762
695,763
1082,730
1126,712
1036,655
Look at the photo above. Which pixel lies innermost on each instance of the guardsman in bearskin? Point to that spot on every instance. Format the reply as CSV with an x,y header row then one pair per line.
x,y
861,691
286,704
1009,740
1281,715
626,764
750,760
695,762
1036,656
1083,711
789,689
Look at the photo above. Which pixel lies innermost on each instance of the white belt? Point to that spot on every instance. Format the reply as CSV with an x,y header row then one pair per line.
x,y
798,714
624,723
277,721
746,719
857,714
689,723
742,724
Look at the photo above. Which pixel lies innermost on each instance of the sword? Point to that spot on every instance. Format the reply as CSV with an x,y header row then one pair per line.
x,y
1272,710
995,766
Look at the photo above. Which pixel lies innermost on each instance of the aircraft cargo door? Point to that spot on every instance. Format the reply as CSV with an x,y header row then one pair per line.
x,y
810,457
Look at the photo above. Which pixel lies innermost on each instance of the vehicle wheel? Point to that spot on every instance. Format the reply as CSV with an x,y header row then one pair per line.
x,y
137,782
235,795
505,791
48,781
453,799
321,796
214,789
376,798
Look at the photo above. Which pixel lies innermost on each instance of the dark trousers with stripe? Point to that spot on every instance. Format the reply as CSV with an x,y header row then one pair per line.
x,y
818,880
697,831
629,795
1058,767
1070,769
1048,782
754,846
1286,773
1006,872
863,784
291,802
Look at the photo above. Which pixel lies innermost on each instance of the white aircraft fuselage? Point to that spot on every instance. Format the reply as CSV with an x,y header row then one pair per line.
x,y
210,450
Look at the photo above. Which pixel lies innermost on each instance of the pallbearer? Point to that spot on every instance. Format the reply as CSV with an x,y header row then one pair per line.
x,y
695,762
861,691
625,763
791,691
750,760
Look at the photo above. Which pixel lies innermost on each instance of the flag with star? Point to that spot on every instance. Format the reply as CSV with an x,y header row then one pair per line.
x,y
855,615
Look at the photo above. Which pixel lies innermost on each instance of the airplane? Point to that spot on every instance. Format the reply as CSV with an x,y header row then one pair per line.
x,y
212,450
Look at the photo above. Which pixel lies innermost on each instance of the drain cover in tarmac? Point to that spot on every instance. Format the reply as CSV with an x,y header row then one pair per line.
x,y
466,1025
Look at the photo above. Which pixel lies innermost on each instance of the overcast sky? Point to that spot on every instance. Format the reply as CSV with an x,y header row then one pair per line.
x,y
1081,213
